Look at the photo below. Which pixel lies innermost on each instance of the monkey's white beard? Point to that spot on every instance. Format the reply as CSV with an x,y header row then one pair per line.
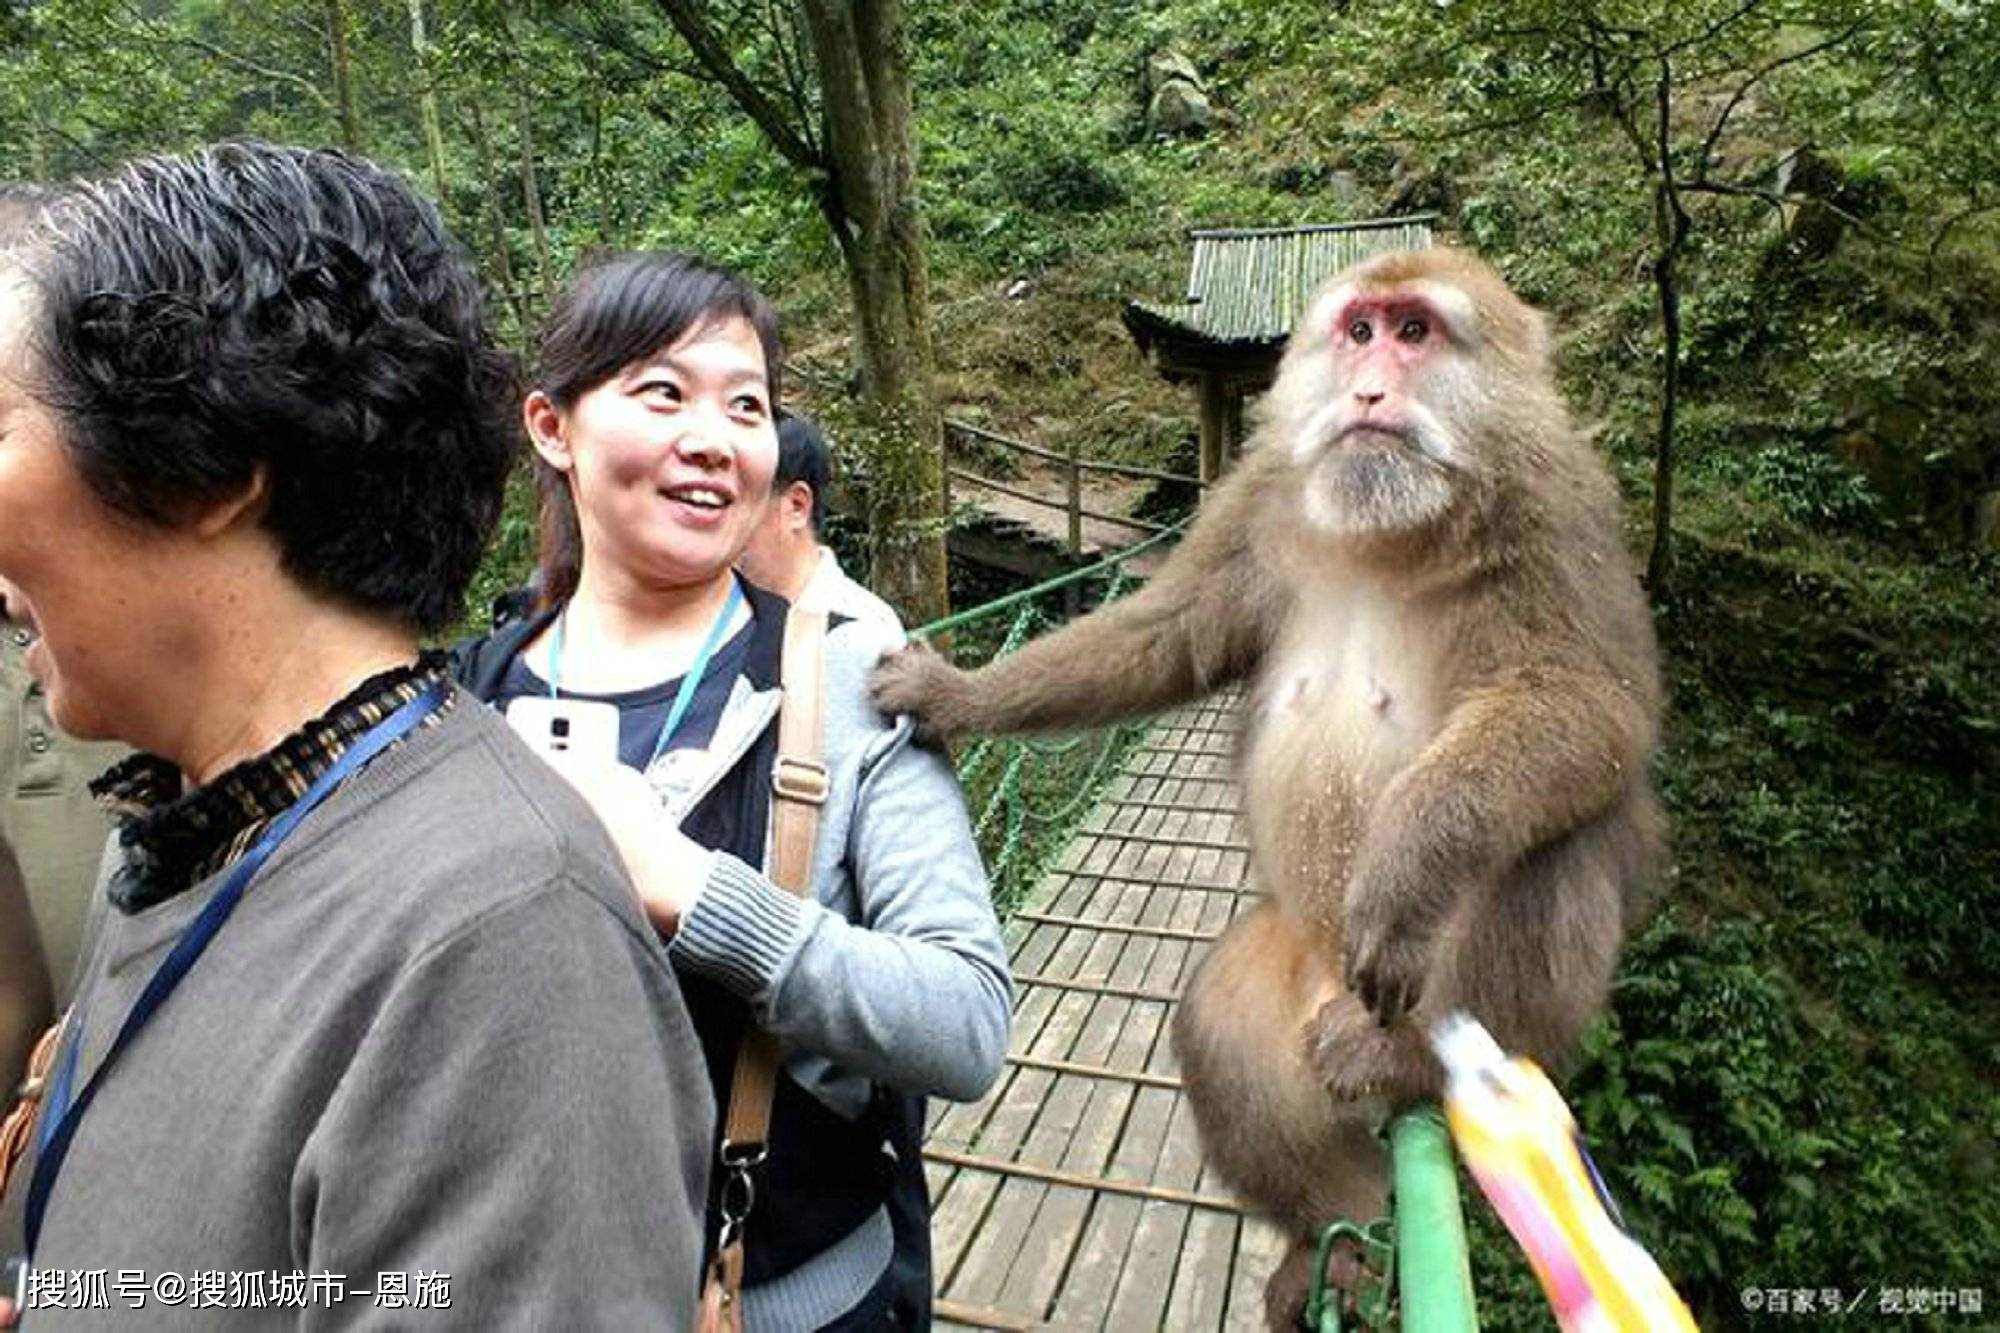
x,y
1355,490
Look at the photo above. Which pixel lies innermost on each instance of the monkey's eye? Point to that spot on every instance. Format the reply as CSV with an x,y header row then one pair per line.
x,y
1360,331
1412,330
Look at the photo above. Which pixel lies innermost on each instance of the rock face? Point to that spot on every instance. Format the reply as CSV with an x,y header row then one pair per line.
x,y
1165,67
1177,102
1180,108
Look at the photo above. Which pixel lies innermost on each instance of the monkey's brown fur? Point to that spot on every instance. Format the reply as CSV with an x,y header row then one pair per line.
x,y
1454,694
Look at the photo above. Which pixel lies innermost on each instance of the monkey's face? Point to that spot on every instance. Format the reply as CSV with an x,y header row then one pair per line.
x,y
1373,399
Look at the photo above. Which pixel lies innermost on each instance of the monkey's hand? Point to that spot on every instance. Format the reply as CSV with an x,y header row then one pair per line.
x,y
918,681
1386,971
1387,940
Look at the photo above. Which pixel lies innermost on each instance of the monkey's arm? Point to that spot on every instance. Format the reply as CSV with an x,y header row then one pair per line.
x,y
1518,763
1202,622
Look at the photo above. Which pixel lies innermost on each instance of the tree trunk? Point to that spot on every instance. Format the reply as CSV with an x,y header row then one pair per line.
x,y
599,185
503,264
531,190
38,148
1673,225
343,80
861,48
427,102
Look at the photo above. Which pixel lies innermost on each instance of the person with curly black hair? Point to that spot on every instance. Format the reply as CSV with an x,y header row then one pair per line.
x,y
366,996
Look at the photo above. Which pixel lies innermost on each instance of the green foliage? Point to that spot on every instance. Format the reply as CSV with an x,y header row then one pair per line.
x,y
508,560
1807,487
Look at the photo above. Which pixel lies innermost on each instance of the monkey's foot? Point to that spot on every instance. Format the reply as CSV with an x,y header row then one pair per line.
x,y
1356,1057
1290,1285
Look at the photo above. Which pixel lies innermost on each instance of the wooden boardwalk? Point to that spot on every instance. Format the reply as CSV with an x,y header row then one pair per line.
x,y
1073,1196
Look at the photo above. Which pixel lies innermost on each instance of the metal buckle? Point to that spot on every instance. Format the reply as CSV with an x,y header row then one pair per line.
x,y
803,780
739,1190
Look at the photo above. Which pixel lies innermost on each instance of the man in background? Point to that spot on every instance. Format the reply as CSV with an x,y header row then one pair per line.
x,y
47,814
46,810
24,979
786,554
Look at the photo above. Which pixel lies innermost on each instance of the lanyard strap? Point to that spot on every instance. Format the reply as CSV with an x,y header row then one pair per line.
x,y
61,1116
689,682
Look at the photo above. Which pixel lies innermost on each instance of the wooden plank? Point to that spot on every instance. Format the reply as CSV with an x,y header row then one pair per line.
x,y
1123,928
1193,809
1060,952
1002,1119
1140,1079
1094,987
956,1219
1119,877
1201,1280
1039,1269
954,1314
1073,1196
1140,1298
1109,1240
1009,1227
1095,835
1259,1248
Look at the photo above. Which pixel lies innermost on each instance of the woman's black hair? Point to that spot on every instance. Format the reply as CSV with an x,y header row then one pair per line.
x,y
619,308
303,312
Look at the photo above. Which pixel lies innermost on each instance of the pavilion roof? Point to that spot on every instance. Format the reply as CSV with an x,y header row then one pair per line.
x,y
1246,286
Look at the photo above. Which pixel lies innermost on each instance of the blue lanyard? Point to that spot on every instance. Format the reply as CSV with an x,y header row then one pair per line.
x,y
689,682
61,1117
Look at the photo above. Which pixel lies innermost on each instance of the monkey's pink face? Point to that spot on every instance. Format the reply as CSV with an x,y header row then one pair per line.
x,y
1382,434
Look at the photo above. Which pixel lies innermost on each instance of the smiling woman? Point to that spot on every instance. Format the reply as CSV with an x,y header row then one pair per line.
x,y
886,981
253,435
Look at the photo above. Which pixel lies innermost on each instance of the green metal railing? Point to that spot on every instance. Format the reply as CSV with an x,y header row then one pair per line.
x,y
1436,1281
1419,1253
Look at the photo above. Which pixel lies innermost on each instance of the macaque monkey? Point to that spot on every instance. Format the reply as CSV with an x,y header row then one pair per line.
x,y
1453,693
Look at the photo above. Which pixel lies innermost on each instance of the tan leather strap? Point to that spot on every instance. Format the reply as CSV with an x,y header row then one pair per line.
x,y
722,1293
798,786
19,1126
799,778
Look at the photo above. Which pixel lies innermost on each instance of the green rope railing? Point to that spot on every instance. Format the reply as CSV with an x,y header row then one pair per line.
x,y
1422,1281
1021,828
1056,584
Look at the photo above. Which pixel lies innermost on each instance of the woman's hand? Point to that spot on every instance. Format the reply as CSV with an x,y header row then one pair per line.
x,y
667,867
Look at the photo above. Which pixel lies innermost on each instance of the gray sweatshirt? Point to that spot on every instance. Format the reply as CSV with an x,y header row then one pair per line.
x,y
436,1038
